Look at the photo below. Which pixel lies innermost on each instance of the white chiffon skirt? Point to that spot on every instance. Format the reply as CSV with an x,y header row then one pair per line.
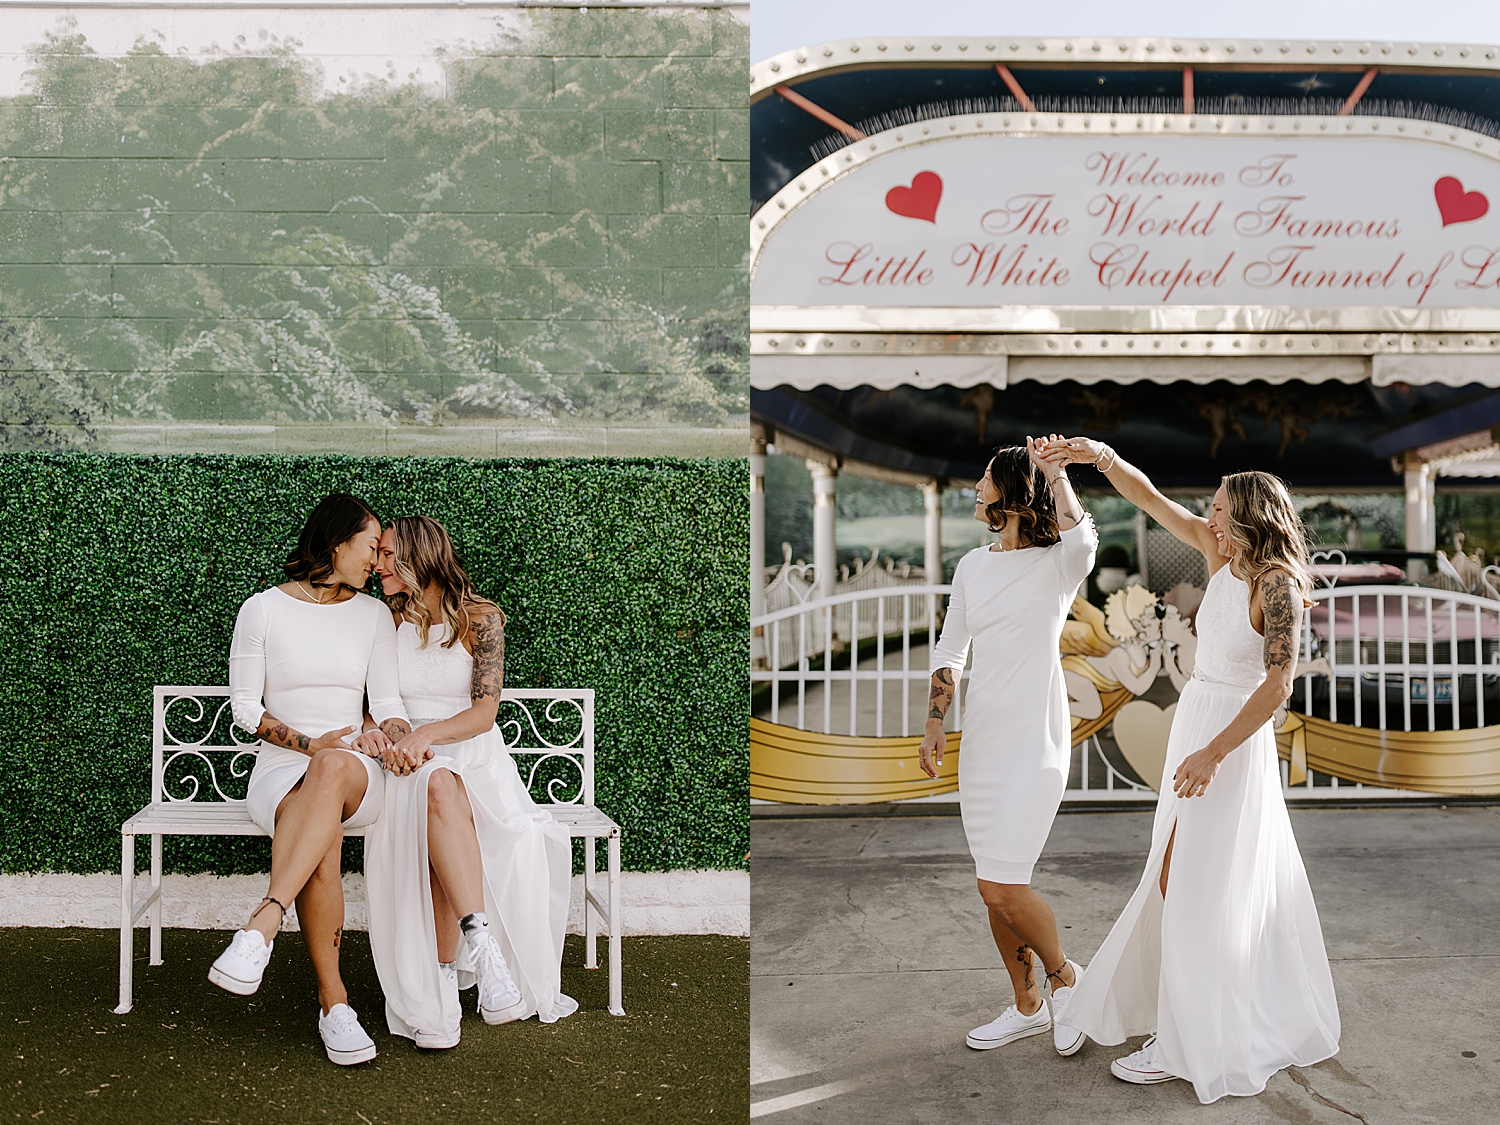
x,y
1230,971
528,864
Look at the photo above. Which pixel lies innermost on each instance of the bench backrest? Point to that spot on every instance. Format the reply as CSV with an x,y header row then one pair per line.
x,y
199,754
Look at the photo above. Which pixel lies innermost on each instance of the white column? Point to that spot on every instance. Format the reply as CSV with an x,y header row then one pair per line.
x,y
757,527
825,553
1421,512
932,502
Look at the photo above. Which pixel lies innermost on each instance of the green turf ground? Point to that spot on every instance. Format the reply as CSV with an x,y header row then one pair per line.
x,y
192,1053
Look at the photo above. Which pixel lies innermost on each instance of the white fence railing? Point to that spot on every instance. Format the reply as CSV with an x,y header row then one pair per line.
x,y
1401,658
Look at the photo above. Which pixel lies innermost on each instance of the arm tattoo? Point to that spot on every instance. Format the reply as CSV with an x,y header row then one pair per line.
x,y
941,696
274,731
489,658
1282,609
396,729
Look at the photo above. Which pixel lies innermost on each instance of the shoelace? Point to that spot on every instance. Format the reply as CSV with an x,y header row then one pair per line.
x,y
492,966
342,1018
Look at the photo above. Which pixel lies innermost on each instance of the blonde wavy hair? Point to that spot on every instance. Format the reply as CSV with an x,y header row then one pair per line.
x,y
1266,531
424,555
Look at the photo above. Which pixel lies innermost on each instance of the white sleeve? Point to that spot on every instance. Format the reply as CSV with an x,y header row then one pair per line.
x,y
383,680
953,646
247,664
1075,555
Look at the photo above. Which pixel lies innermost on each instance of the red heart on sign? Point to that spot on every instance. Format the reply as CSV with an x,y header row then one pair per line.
x,y
920,201
1457,205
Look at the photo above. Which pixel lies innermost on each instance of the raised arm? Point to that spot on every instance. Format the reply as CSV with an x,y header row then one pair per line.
x,y
1136,487
1280,601
1069,510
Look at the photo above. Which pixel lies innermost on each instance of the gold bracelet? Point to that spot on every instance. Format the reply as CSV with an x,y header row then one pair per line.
x,y
1112,459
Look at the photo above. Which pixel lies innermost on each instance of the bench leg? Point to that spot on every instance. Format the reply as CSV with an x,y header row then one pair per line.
x,y
590,928
156,906
616,1002
127,924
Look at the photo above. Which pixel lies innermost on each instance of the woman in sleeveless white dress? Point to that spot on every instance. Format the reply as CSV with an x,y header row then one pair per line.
x,y
525,854
1219,952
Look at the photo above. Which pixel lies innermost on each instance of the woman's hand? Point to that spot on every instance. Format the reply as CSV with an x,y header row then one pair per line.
x,y
414,749
372,742
1037,450
930,752
330,740
1073,451
1195,772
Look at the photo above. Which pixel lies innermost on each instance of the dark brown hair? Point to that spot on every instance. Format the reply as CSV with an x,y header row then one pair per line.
x,y
424,554
337,519
1024,492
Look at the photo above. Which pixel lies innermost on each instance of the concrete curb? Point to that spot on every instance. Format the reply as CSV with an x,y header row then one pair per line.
x,y
654,902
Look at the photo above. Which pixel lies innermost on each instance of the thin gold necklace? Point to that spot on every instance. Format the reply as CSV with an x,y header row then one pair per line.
x,y
316,600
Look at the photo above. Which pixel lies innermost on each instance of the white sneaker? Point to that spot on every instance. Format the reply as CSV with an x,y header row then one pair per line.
x,y
1141,1067
500,1000
343,1038
1066,1039
1011,1025
240,967
440,1040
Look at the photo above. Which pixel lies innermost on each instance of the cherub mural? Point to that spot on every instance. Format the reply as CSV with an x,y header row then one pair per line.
x,y
1114,655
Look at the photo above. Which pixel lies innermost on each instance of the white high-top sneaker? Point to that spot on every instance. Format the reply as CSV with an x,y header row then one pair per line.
x,y
500,1001
240,967
1141,1067
439,1040
1066,1039
343,1038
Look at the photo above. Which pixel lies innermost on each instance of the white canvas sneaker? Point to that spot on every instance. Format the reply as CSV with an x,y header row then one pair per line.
x,y
440,1040
1066,1039
1011,1025
1141,1067
500,1001
240,967
343,1038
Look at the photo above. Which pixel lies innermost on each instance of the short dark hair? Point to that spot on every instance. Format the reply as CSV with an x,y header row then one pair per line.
x,y
337,519
1023,490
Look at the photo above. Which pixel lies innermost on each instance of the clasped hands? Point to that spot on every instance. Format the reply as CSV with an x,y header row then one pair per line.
x,y
399,758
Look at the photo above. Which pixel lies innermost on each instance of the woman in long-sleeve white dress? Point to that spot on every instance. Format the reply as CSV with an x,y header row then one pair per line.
x,y
1219,953
1009,602
303,657
468,879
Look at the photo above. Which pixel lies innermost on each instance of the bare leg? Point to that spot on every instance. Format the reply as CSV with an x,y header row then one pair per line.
x,y
452,846
445,920
320,911
1021,918
309,823
1166,861
1017,956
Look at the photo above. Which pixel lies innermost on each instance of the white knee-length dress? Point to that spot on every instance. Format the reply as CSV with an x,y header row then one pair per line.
x,y
527,856
311,666
1017,740
1230,969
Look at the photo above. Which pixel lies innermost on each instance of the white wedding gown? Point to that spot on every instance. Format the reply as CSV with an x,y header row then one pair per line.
x,y
1230,970
527,859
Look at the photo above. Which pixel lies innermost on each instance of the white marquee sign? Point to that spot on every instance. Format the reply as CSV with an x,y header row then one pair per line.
x,y
1271,217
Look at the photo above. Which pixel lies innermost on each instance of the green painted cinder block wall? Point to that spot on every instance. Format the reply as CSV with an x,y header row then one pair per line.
x,y
544,252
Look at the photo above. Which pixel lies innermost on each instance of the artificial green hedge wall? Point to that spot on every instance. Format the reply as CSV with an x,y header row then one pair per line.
x,y
118,573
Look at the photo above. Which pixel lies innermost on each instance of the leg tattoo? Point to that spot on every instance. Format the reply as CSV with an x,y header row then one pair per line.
x,y
1023,955
337,935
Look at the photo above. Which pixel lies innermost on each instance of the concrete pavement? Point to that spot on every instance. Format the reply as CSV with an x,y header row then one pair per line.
x,y
870,959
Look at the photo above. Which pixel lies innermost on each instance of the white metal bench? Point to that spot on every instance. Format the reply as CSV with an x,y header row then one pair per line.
x,y
201,763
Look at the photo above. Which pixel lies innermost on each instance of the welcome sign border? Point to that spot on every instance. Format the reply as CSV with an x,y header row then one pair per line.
x,y
1108,318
